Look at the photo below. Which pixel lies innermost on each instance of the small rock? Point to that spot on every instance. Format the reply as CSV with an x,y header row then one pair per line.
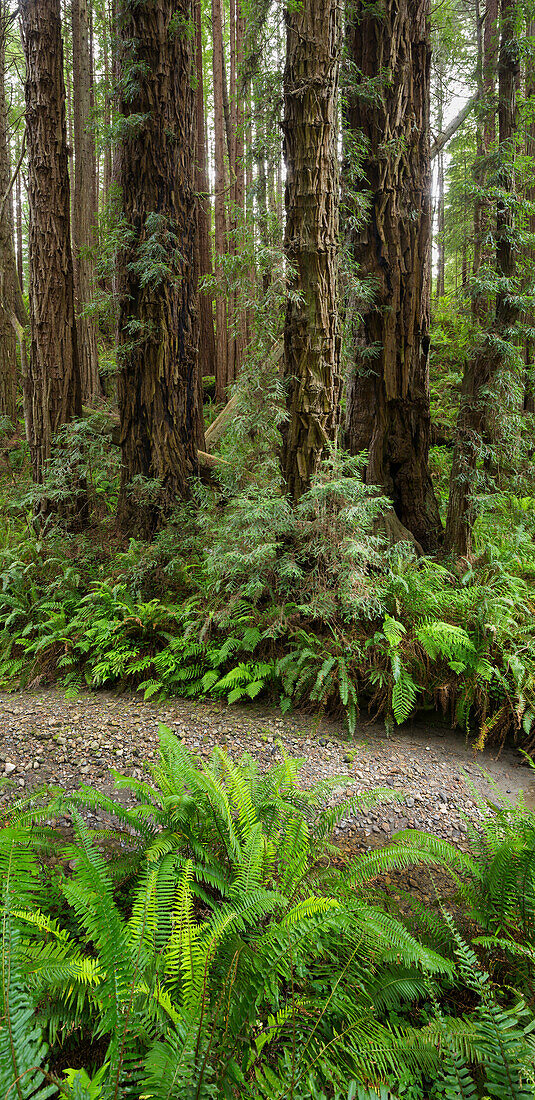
x,y
9,768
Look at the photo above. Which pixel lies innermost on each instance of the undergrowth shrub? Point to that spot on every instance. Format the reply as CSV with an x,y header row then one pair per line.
x,y
242,594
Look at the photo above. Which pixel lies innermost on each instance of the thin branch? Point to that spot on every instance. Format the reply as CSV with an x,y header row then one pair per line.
x,y
7,193
442,139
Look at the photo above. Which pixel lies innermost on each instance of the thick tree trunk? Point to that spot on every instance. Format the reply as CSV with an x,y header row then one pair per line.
x,y
388,395
158,391
12,312
207,360
487,359
53,385
83,226
220,221
311,331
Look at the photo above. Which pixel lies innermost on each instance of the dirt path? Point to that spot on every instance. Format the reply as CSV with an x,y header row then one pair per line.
x,y
44,737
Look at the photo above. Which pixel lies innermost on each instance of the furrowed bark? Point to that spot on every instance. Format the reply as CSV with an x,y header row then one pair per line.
x,y
387,411
53,383
12,310
311,332
158,390
207,360
83,227
220,221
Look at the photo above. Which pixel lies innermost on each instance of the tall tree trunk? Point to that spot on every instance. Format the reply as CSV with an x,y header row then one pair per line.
x,y
12,311
95,174
441,256
158,389
54,378
529,382
84,212
311,331
67,70
388,395
262,220
207,359
486,134
488,357
250,217
237,185
238,195
107,31
220,222
18,232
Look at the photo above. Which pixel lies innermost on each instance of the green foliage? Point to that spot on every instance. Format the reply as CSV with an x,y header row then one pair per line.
x,y
225,956
227,941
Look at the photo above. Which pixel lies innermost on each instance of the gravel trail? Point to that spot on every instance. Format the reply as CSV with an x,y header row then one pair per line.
x,y
46,738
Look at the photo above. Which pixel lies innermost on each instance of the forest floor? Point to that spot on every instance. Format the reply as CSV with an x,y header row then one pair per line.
x,y
46,738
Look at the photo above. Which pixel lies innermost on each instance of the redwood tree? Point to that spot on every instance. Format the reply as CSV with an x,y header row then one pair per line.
x,y
83,209
486,127
160,413
12,309
53,384
207,358
494,347
311,332
388,394
220,220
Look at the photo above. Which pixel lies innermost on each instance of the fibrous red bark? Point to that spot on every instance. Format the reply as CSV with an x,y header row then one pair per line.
x,y
311,333
388,411
158,390
53,384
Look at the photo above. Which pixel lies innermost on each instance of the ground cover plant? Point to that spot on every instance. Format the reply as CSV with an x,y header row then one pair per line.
x,y
250,597
219,953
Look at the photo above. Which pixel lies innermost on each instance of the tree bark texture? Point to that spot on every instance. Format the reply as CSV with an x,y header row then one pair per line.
x,y
440,241
388,394
18,232
488,357
207,360
12,310
220,220
158,390
529,380
53,386
486,135
107,32
311,333
83,226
